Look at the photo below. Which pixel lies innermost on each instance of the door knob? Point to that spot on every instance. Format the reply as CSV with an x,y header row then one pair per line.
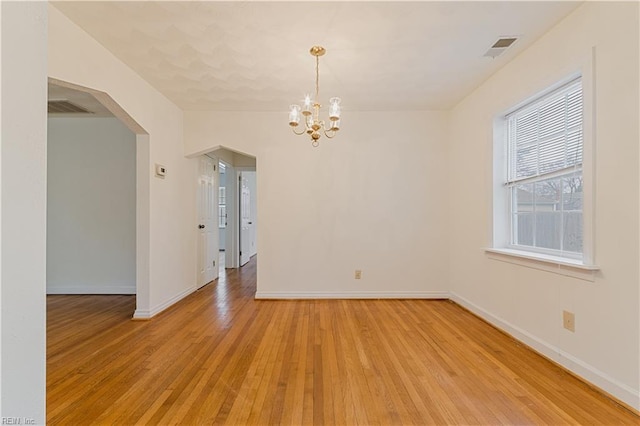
x,y
200,226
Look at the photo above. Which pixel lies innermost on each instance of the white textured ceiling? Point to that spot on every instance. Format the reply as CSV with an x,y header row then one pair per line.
x,y
253,56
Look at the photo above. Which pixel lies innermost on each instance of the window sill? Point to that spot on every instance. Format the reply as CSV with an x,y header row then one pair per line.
x,y
549,263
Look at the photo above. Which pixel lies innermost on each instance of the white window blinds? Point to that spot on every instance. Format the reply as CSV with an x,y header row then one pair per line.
x,y
546,136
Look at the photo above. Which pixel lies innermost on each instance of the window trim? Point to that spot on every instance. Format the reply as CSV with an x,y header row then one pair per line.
x,y
553,264
500,231
541,257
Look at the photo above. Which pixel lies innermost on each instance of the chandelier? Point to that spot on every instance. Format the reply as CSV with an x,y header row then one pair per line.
x,y
311,110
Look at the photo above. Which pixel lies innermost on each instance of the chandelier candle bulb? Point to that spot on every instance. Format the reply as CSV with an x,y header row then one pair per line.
x,y
307,105
294,115
334,109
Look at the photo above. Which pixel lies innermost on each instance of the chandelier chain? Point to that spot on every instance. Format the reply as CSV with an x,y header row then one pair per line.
x,y
317,77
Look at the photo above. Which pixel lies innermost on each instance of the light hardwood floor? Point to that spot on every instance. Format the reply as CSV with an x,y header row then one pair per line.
x,y
219,356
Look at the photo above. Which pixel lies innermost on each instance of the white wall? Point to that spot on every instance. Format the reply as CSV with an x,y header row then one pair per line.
x,y
170,242
23,187
374,198
529,302
91,207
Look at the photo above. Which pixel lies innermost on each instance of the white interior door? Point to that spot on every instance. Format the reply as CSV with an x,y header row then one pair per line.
x,y
245,219
251,178
207,221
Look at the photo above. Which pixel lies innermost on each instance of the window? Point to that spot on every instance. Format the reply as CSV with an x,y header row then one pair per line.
x,y
222,207
544,173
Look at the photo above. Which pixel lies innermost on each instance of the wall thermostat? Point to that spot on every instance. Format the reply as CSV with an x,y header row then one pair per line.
x,y
161,170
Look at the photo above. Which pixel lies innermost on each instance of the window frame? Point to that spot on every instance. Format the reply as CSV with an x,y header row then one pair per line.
x,y
501,212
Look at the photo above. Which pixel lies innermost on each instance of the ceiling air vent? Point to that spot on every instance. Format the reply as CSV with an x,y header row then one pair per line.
x,y
500,46
66,107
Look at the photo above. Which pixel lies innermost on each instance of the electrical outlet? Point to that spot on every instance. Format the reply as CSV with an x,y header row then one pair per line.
x,y
358,274
569,320
161,171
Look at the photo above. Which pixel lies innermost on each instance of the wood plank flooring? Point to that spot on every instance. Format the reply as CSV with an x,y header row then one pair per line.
x,y
221,357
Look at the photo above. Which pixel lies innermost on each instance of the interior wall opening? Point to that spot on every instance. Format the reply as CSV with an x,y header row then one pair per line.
x,y
93,197
236,207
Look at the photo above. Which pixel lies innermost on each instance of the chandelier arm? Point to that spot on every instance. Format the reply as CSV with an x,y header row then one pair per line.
x,y
301,133
330,133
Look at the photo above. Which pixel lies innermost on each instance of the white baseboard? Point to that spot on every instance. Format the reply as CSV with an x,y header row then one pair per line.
x,y
589,373
101,289
353,295
150,313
